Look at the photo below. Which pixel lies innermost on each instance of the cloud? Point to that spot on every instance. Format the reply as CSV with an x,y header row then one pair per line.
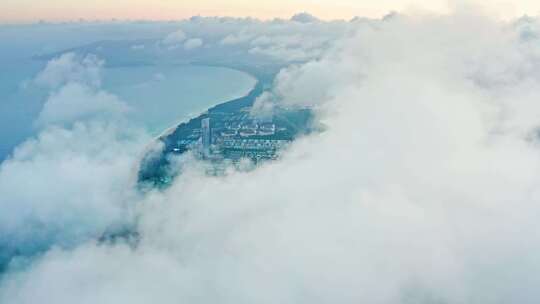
x,y
137,47
233,39
75,91
278,40
70,183
193,43
304,18
71,68
422,189
174,38
67,186
74,102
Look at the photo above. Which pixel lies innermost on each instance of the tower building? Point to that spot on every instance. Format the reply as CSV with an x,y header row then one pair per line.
x,y
206,135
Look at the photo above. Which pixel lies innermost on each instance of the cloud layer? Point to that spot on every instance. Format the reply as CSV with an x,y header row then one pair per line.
x,y
422,189
72,182
301,38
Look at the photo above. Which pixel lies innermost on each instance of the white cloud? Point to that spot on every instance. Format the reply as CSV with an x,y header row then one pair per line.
x,y
137,47
74,102
422,189
304,18
281,40
233,39
68,186
76,92
193,43
174,38
70,183
71,68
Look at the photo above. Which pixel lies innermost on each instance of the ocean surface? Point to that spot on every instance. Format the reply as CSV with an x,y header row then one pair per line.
x,y
162,96
159,96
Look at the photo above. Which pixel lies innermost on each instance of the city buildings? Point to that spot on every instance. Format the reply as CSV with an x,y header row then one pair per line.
x,y
206,136
235,136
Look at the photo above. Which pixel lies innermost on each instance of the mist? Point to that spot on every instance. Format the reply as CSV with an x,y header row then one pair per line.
x,y
422,188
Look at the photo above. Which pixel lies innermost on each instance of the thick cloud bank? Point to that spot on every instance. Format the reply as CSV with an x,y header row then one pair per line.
x,y
73,181
424,187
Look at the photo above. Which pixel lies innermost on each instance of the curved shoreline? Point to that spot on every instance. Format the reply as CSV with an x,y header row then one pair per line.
x,y
172,128
154,163
258,85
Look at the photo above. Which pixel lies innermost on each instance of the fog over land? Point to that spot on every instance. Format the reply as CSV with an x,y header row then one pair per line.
x,y
422,188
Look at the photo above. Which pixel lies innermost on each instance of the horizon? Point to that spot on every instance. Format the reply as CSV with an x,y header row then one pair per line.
x,y
31,11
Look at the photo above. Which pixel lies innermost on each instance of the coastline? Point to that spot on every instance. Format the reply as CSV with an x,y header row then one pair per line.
x,y
154,162
257,86
168,131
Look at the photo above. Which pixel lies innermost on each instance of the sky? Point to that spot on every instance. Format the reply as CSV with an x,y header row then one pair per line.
x,y
17,11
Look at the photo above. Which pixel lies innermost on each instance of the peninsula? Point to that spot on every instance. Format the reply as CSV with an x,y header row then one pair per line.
x,y
227,134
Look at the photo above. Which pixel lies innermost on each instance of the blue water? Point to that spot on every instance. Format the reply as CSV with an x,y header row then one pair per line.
x,y
19,104
159,96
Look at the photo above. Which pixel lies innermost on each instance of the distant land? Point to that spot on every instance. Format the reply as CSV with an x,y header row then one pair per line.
x,y
227,134
231,134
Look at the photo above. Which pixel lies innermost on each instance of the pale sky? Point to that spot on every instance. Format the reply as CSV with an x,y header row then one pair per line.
x,y
61,10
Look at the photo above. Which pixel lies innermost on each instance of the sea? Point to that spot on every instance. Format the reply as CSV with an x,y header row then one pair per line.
x,y
159,96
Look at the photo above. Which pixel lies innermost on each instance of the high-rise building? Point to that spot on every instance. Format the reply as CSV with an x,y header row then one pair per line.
x,y
206,135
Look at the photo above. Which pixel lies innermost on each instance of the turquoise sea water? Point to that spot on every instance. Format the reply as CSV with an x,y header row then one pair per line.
x,y
159,96
20,103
